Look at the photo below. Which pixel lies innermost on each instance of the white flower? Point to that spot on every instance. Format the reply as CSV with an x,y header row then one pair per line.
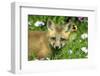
x,y
84,49
39,23
70,51
48,58
84,36
29,23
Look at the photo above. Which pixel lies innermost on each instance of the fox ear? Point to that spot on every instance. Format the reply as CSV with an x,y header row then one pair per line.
x,y
50,25
67,27
70,27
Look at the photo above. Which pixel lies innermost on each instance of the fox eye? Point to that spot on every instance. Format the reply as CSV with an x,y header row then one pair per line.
x,y
63,39
53,38
74,27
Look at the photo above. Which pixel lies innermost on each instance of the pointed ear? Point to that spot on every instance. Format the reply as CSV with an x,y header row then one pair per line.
x,y
67,27
50,25
70,27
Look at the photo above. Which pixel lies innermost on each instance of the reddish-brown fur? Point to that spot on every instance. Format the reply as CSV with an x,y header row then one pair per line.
x,y
38,44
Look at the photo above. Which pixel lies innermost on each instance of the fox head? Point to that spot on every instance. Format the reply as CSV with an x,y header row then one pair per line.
x,y
58,35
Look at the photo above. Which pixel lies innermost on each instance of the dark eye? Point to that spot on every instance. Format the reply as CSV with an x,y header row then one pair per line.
x,y
53,38
74,27
63,39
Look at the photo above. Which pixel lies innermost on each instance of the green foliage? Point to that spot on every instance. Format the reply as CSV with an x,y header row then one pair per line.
x,y
73,49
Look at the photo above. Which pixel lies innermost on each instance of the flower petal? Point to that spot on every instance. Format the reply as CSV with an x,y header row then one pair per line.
x,y
84,36
39,23
84,49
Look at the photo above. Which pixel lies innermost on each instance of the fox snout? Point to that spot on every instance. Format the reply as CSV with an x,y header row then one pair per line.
x,y
57,45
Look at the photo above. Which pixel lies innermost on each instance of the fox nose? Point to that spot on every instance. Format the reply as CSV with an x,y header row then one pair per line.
x,y
57,47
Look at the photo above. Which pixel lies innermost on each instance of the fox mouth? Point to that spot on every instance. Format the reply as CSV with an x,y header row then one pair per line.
x,y
55,47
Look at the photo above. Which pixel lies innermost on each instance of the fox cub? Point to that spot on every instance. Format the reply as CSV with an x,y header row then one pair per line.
x,y
41,42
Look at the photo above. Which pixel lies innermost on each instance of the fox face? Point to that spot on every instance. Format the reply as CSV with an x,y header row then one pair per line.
x,y
58,35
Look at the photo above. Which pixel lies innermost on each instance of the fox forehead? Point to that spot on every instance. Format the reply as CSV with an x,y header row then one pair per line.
x,y
59,31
